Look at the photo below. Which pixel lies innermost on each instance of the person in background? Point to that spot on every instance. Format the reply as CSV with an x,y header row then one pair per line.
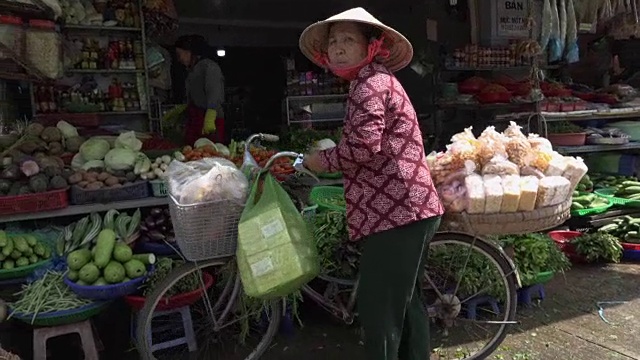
x,y
392,204
205,90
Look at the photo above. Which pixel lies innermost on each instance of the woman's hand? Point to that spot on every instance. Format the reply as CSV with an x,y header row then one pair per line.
x,y
313,163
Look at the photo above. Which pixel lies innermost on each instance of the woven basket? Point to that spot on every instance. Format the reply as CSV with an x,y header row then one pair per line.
x,y
508,224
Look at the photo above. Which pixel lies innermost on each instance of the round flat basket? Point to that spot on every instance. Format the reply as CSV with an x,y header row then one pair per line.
x,y
508,223
23,271
107,292
63,317
137,302
328,198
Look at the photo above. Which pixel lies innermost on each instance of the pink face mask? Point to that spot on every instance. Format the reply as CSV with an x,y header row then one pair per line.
x,y
350,73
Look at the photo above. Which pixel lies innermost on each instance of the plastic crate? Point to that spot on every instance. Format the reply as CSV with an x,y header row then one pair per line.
x,y
609,193
46,201
136,190
596,210
323,196
63,317
159,188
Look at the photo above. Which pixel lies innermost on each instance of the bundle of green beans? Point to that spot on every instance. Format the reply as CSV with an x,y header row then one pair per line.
x,y
46,295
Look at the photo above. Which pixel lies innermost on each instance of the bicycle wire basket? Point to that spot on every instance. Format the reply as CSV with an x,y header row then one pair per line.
x,y
206,230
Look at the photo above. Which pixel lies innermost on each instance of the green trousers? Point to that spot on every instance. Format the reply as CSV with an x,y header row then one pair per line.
x,y
390,309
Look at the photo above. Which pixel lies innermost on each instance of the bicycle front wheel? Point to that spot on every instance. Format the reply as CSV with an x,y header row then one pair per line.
x,y
219,323
470,291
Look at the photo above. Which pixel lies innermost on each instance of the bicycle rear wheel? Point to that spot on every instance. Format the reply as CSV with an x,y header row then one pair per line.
x,y
469,287
217,318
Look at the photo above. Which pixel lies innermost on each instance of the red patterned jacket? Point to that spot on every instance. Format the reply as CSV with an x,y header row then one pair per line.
x,y
381,155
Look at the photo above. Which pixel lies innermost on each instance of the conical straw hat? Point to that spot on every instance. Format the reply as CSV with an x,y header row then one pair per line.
x,y
314,38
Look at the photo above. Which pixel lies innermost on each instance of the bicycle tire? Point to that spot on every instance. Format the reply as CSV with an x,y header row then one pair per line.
x,y
146,313
511,282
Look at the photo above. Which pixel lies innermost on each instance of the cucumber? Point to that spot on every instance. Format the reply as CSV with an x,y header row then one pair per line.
x,y
15,254
3,238
104,248
147,259
8,264
630,183
23,261
576,206
610,227
31,240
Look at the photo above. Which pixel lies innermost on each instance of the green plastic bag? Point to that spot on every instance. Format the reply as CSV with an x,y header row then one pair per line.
x,y
276,252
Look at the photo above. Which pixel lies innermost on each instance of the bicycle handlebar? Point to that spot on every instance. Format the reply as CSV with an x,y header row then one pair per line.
x,y
298,164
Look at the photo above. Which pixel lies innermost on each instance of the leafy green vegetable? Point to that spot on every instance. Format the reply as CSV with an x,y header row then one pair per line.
x,y
563,127
120,159
94,149
598,246
339,257
534,254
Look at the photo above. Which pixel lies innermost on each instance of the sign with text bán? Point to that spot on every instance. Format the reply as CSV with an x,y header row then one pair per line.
x,y
511,17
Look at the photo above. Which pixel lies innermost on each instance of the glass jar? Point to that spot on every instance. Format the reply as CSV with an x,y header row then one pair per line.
x,y
12,35
43,49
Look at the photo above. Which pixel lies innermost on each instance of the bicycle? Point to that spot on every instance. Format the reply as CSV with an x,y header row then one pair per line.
x,y
445,305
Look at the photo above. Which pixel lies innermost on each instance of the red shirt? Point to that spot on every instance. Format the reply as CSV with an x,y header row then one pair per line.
x,y
381,155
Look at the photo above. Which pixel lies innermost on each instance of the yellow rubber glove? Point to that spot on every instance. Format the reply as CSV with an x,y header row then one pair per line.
x,y
209,122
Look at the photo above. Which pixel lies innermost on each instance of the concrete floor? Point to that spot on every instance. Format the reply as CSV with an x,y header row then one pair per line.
x,y
565,326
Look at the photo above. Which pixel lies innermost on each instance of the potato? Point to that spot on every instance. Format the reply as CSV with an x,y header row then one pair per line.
x,y
75,178
83,184
91,177
116,185
95,185
111,180
103,176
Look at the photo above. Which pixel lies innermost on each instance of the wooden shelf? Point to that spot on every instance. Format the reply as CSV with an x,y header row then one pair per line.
x,y
585,149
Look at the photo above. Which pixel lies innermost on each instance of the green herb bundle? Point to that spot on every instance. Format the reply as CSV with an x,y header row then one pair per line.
x,y
598,246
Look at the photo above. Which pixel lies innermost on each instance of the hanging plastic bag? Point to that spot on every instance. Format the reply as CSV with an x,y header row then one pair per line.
x,y
555,53
276,253
573,52
562,17
545,28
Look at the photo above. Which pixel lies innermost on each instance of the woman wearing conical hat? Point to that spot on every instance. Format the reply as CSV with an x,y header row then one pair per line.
x,y
392,204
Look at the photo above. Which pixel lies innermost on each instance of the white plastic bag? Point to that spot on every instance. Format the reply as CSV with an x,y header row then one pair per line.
x,y
209,179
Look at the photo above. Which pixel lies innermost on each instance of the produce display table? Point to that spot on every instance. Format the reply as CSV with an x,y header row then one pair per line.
x,y
87,209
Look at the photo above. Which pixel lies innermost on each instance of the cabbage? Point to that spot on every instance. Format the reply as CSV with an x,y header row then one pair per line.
x,y
77,162
93,164
94,149
67,130
120,159
128,140
202,142
223,150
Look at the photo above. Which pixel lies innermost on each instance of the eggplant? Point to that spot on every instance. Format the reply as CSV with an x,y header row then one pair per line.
x,y
143,227
161,221
143,238
163,229
156,212
151,223
155,235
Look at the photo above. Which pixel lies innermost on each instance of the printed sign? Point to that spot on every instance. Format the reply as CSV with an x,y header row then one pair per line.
x,y
512,18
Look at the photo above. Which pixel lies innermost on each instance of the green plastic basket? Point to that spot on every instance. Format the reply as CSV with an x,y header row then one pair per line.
x,y
63,317
22,272
326,196
337,175
541,278
159,188
610,193
593,211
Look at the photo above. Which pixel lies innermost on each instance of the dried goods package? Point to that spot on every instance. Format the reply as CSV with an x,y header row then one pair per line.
x,y
575,170
557,166
518,146
475,193
493,193
511,197
528,193
550,189
491,144
499,165
563,191
463,147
